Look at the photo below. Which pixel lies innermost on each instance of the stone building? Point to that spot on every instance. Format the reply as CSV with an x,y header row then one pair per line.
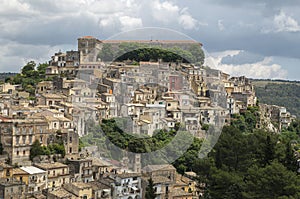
x,y
17,136
81,170
58,174
79,189
12,189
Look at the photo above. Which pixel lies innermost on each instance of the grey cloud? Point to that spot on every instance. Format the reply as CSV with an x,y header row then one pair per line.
x,y
243,57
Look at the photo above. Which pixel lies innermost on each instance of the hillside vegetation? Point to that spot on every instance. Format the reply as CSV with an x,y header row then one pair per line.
x,y
281,93
245,163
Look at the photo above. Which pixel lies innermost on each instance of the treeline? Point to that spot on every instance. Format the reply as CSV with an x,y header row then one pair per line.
x,y
275,80
142,52
287,95
30,75
3,76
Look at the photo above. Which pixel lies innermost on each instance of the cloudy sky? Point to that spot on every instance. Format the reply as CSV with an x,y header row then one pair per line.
x,y
256,38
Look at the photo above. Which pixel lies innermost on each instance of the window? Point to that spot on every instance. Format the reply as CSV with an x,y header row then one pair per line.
x,y
30,139
17,139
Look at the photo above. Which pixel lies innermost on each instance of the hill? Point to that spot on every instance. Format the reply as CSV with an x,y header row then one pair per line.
x,y
279,92
3,76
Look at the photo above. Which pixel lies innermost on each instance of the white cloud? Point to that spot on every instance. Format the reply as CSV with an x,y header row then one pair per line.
x,y
264,69
187,21
285,23
129,23
165,12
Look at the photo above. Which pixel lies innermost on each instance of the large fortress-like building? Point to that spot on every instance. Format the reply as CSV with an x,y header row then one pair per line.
x,y
89,46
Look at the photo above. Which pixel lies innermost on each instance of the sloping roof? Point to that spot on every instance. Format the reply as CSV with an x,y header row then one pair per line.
x,y
99,162
51,165
81,185
180,193
18,171
128,175
98,185
32,170
160,180
54,96
151,168
61,193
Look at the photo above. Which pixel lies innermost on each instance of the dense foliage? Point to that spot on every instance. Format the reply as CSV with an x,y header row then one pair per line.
x,y
246,121
256,164
30,75
111,138
143,52
150,191
37,149
281,94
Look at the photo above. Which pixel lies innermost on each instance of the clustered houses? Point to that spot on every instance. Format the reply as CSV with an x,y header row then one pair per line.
x,y
169,184
275,118
81,90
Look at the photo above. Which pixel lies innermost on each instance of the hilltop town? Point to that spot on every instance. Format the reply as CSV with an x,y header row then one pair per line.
x,y
82,87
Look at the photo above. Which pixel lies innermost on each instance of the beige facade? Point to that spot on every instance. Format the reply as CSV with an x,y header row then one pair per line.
x,y
51,99
17,136
81,170
44,87
58,174
79,189
12,189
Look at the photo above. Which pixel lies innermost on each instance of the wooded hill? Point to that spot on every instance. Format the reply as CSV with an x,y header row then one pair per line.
x,y
279,92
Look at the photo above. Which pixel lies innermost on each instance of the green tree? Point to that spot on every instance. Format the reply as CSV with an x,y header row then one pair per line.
x,y
197,53
36,150
41,69
150,191
269,150
57,148
290,159
29,69
272,181
225,184
232,150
